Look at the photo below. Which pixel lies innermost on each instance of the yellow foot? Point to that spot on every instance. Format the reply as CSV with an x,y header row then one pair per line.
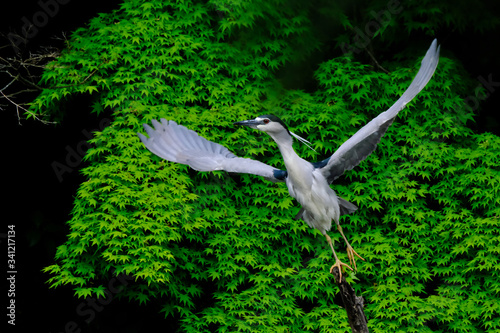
x,y
339,264
351,253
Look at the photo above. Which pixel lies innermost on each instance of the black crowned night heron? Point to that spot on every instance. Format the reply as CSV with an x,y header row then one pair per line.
x,y
307,182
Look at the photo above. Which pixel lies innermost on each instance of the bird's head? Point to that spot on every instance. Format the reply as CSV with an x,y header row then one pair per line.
x,y
268,123
273,126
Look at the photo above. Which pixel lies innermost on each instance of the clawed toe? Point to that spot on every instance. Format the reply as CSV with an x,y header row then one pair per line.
x,y
351,253
339,264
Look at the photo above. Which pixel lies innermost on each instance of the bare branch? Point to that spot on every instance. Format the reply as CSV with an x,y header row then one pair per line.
x,y
25,110
376,62
24,73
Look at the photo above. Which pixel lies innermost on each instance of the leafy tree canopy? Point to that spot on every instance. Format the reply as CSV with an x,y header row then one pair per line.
x,y
221,252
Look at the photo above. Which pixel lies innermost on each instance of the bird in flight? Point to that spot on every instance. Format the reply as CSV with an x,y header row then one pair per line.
x,y
309,183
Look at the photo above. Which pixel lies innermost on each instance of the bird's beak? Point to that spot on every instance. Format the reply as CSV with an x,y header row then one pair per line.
x,y
250,123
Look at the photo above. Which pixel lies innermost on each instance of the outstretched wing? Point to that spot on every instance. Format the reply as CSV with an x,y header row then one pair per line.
x,y
364,142
176,143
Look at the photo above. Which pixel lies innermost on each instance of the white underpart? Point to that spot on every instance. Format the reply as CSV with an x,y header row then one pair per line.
x,y
319,201
308,186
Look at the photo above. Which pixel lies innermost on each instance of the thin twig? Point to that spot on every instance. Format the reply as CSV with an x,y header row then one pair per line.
x,y
25,72
25,110
78,83
376,62
370,54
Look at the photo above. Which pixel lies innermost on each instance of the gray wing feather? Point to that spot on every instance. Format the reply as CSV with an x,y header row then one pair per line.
x,y
364,142
176,143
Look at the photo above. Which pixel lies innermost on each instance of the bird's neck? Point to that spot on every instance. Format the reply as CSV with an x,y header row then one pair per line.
x,y
285,142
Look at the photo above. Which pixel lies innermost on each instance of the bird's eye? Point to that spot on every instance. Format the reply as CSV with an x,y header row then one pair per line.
x,y
266,121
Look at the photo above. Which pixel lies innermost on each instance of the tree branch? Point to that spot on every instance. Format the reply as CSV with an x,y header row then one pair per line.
x,y
353,305
23,74
25,110
372,57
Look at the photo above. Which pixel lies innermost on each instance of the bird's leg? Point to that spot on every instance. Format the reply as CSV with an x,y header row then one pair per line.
x,y
350,251
338,263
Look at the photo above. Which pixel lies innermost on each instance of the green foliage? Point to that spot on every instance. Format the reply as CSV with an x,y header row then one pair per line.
x,y
221,252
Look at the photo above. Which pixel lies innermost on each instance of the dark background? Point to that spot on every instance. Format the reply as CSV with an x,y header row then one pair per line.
x,y
39,204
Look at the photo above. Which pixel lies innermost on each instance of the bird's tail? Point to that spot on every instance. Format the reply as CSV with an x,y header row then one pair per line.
x,y
346,207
